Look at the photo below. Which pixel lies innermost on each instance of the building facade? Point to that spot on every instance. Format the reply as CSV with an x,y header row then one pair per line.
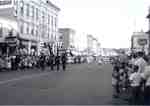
x,y
36,21
67,37
148,32
140,42
93,46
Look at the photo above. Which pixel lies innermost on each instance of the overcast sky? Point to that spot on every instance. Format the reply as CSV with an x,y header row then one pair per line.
x,y
111,21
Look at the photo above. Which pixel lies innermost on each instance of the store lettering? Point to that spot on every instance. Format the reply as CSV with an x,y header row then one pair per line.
x,y
5,2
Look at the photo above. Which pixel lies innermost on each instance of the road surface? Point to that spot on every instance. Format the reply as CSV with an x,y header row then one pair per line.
x,y
84,84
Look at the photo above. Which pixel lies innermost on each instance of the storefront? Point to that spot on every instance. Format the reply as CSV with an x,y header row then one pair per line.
x,y
11,45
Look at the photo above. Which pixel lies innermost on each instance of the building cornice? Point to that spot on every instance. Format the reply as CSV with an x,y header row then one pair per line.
x,y
53,5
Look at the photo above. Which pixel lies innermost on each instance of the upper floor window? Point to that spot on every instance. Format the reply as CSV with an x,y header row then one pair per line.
x,y
22,28
22,8
36,32
52,21
32,31
27,28
55,22
28,11
37,14
43,17
61,37
1,32
32,11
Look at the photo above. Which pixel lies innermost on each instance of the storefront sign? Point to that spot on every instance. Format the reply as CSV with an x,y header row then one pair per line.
x,y
142,42
5,2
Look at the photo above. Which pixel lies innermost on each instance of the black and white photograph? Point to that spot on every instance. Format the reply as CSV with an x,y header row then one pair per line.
x,y
75,52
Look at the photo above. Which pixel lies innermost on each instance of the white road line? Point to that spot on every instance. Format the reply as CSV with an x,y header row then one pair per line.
x,y
22,78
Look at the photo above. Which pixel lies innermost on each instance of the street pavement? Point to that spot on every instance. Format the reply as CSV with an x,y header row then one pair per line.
x,y
80,84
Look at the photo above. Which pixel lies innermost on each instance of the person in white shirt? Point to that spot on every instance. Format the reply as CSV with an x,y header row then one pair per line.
x,y
146,76
135,80
140,62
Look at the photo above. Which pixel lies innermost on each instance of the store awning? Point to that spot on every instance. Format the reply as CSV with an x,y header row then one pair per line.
x,y
12,40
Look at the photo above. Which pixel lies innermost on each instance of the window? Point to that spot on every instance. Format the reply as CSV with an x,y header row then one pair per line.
x,y
36,32
15,2
22,28
55,22
32,31
37,14
48,35
28,10
22,8
43,17
48,21
27,28
32,11
61,37
35,29
15,8
1,32
52,21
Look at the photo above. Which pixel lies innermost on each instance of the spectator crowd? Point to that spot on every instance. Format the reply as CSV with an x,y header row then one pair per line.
x,y
131,76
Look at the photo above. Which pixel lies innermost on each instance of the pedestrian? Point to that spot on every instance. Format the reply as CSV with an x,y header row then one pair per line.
x,y
63,61
17,61
146,78
135,80
126,76
121,77
1,63
140,62
8,63
42,61
51,62
116,80
13,62
57,61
